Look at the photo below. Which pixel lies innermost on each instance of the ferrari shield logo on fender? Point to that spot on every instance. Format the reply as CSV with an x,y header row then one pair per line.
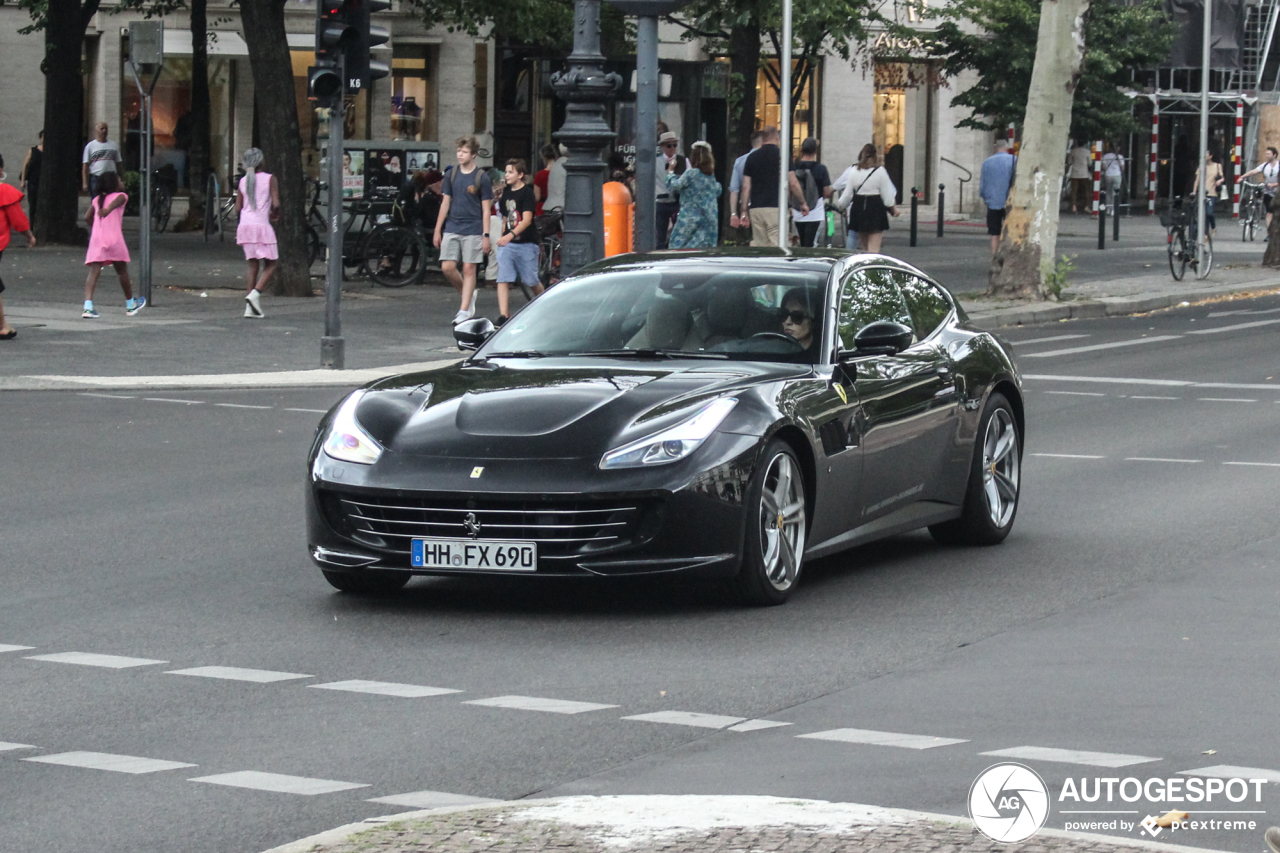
x,y
476,472
844,398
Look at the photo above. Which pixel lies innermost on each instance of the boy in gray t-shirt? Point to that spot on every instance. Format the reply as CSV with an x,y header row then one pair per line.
x,y
462,228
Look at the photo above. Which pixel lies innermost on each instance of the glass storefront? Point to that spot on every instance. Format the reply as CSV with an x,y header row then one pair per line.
x,y
414,93
902,124
804,118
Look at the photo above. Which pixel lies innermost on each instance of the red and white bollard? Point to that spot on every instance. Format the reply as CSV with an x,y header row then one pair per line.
x,y
1155,151
1097,174
1237,159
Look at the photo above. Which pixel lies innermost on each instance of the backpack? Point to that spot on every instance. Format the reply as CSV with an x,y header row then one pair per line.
x,y
474,189
808,186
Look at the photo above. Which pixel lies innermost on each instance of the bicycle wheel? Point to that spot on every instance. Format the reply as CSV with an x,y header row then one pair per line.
x,y
393,255
315,246
160,209
1207,267
1177,254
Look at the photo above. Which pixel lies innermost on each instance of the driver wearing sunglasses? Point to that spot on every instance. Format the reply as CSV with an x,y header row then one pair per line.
x,y
798,320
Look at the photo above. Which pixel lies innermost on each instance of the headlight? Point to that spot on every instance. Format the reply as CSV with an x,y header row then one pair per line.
x,y
347,440
674,443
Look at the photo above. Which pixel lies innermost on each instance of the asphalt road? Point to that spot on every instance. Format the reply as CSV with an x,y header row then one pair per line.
x,y
1132,612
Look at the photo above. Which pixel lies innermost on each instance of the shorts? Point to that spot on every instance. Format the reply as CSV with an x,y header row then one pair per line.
x,y
1266,202
995,221
518,262
461,247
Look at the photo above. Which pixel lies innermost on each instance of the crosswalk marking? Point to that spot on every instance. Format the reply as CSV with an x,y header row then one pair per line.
x,y
757,725
7,648
91,659
875,738
278,783
8,747
688,718
1071,756
385,688
1231,771
107,761
431,800
534,703
236,673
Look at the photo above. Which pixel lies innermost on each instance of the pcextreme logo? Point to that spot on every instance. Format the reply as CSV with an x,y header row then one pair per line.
x,y
1008,802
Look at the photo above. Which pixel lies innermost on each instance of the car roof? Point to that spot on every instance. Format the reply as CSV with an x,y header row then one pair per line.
x,y
815,260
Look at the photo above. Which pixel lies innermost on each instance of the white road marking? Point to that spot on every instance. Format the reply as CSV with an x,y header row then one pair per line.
x,y
1225,400
278,783
241,406
7,648
431,800
1255,464
1079,393
172,400
1213,314
1168,383
1071,756
883,738
107,396
1151,397
90,659
385,688
534,703
1052,338
107,761
313,411
757,725
8,747
236,673
1068,456
274,379
688,718
1160,459
1231,771
1234,328
1094,347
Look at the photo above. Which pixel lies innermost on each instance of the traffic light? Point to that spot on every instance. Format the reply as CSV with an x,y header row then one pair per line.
x,y
361,70
344,29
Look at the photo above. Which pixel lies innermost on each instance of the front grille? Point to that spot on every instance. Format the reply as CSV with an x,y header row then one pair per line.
x,y
562,528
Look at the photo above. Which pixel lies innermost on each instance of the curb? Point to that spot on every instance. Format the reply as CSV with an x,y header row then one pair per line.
x,y
342,833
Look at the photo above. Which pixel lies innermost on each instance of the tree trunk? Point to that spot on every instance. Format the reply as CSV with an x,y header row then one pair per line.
x,y
1270,258
198,152
1027,246
57,217
279,136
744,66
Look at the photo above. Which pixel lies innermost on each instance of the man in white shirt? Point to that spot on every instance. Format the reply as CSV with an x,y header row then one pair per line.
x,y
1269,169
1112,177
100,156
1079,172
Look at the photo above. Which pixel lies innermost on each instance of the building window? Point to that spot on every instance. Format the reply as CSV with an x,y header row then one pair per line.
x,y
414,113
804,119
902,124
481,123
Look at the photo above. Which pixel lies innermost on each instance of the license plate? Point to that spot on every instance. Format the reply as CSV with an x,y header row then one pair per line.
x,y
502,555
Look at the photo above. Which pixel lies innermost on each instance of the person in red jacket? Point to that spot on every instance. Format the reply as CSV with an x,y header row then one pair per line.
x,y
11,219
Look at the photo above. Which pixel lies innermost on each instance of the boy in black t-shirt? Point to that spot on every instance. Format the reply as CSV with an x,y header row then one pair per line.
x,y
518,246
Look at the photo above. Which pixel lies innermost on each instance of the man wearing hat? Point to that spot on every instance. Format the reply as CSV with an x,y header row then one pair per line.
x,y
668,202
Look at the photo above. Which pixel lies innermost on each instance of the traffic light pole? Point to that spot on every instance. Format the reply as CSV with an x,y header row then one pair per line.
x,y
332,344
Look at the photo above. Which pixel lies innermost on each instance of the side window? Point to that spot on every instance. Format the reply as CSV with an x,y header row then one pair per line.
x,y
869,295
928,307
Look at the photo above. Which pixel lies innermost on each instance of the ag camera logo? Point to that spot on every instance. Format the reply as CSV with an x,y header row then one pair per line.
x,y
1008,802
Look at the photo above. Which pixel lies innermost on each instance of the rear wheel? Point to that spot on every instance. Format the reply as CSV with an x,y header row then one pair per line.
x,y
315,246
1207,266
995,477
1248,224
161,206
1178,255
393,255
369,581
776,525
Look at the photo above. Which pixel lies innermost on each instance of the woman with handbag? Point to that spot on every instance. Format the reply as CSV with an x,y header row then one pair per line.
x,y
869,197
1214,188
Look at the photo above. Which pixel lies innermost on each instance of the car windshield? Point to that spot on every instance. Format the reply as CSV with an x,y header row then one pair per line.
x,y
674,310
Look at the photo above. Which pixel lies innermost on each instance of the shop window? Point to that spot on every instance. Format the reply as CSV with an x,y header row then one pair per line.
x,y
414,113
902,124
804,117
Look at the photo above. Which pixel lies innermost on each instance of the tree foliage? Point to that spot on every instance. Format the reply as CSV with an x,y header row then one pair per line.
x,y
546,23
1119,40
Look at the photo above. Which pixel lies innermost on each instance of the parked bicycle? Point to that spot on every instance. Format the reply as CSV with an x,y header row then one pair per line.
x,y
1181,227
1253,214
549,240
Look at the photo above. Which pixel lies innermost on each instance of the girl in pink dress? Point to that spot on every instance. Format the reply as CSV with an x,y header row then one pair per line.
x,y
258,204
106,243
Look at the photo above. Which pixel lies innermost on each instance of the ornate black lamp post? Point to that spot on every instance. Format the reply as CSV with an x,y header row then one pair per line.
x,y
585,87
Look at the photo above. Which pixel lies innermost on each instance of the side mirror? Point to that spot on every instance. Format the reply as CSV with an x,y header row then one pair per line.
x,y
470,334
883,337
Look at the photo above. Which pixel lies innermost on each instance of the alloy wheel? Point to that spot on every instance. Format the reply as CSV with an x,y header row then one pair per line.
x,y
1001,467
782,522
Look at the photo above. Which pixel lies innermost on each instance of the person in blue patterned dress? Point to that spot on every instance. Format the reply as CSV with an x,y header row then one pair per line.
x,y
698,224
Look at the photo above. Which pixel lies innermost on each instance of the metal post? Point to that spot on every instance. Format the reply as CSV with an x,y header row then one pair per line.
x,y
915,213
1115,219
1102,220
784,130
1155,152
646,132
942,205
144,203
1201,188
332,345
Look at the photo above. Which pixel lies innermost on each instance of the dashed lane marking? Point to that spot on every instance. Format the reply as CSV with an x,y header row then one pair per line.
x,y
385,688
278,783
688,718
1161,459
1094,347
1231,771
1167,383
757,725
1255,464
241,406
534,703
90,659
173,400
312,411
1068,456
1234,328
107,761
431,800
236,673
1151,397
9,747
875,738
8,648
1048,339
1078,393
1225,400
108,396
1071,756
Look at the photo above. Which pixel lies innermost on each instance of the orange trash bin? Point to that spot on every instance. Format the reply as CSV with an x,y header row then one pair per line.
x,y
618,218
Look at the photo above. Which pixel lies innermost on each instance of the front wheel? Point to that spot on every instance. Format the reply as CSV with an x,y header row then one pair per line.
x,y
393,255
1248,226
995,477
1207,266
1178,255
369,581
160,209
773,551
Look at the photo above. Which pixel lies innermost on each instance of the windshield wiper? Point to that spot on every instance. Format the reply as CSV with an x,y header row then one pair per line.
x,y
649,353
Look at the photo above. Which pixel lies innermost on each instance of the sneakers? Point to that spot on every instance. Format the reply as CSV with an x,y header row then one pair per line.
x,y
1272,837
90,314
137,306
462,317
502,321
252,307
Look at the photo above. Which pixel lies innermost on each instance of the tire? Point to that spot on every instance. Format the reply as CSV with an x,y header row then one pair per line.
x,y
1248,226
369,581
995,475
1208,258
315,246
773,552
1178,255
160,212
393,255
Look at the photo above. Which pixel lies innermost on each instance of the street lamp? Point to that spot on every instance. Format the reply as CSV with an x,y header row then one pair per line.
x,y
584,87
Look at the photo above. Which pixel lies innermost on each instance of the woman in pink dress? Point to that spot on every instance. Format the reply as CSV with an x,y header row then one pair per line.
x,y
106,243
258,204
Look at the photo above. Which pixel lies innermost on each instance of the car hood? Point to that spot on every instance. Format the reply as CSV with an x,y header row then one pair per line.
x,y
545,409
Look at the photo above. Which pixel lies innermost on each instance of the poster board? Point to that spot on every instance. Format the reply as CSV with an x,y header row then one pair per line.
x,y
377,170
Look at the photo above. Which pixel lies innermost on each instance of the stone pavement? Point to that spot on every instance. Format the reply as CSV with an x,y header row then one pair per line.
x,y
692,824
